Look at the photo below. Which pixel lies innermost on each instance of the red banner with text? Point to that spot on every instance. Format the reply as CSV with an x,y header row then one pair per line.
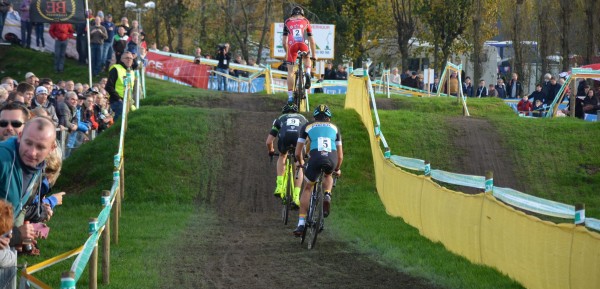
x,y
178,70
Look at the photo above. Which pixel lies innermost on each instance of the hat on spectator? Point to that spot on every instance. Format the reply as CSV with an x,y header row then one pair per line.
x,y
80,96
92,90
100,14
59,91
414,73
40,90
108,15
29,74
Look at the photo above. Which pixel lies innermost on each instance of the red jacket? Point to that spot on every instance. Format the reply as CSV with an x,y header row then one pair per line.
x,y
61,31
524,106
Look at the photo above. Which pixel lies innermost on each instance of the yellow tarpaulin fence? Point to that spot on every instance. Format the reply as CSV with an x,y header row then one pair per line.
x,y
536,253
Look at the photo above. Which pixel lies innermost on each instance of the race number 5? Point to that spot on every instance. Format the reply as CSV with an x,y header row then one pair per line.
x,y
324,144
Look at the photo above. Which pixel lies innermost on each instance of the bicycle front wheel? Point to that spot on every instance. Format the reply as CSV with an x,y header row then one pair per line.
x,y
289,190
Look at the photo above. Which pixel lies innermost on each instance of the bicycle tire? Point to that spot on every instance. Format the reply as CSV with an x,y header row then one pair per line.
x,y
287,203
308,217
299,82
316,218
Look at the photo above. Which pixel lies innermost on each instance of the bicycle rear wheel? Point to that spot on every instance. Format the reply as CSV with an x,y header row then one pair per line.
x,y
299,86
316,218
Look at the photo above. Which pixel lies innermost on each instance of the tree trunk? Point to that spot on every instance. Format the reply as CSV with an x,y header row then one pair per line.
x,y
180,25
543,44
203,20
157,30
477,46
264,31
565,7
590,24
518,57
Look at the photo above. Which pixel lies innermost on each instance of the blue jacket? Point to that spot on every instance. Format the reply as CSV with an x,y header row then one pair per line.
x,y
11,175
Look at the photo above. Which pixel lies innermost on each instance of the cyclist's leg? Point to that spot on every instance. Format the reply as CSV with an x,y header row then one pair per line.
x,y
298,187
307,65
292,54
312,172
330,162
280,190
281,144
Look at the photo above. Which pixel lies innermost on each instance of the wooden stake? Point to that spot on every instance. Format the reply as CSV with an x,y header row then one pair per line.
x,y
93,262
489,181
106,243
67,280
580,214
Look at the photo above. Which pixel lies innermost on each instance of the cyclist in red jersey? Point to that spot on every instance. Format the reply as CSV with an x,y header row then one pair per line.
x,y
294,30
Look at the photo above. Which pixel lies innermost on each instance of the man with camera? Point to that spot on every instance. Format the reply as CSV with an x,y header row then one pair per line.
x,y
224,57
21,165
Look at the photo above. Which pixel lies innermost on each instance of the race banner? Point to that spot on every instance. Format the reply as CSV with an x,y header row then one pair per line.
x,y
51,11
323,34
178,70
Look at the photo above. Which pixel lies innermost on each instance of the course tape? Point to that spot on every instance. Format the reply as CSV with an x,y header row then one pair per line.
x,y
82,260
534,204
458,179
409,163
592,223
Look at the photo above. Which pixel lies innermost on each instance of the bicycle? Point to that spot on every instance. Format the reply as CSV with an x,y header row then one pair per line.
x,y
314,218
289,175
300,97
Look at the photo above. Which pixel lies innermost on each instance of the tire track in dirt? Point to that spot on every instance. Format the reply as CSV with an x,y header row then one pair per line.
x,y
481,149
249,246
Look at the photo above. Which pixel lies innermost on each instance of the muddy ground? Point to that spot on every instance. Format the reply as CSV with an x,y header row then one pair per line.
x,y
250,247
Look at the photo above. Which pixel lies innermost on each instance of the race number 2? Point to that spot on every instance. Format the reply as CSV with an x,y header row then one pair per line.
x,y
298,37
324,144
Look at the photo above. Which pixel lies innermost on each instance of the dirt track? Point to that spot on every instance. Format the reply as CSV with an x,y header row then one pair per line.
x,y
251,248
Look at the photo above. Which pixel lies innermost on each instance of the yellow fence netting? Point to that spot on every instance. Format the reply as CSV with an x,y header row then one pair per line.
x,y
536,253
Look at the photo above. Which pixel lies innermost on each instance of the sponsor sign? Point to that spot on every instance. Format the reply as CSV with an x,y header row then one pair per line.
x,y
323,34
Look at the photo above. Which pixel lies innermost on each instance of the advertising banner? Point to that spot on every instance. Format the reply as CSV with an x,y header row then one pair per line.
x,y
178,70
49,11
323,34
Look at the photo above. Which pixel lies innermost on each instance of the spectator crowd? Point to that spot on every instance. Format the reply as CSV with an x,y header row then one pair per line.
x,y
43,120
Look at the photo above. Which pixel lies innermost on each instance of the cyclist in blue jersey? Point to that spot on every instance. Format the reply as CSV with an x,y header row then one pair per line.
x,y
326,155
287,129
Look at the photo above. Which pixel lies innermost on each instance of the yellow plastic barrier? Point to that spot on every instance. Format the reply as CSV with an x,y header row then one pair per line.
x,y
536,253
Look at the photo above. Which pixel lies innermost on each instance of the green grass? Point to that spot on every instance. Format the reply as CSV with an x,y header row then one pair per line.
x,y
17,61
165,155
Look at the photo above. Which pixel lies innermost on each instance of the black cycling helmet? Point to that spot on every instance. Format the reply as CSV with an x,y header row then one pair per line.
x,y
289,108
322,111
297,11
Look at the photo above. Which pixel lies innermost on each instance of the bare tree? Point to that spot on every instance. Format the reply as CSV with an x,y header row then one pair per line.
x,y
264,31
543,32
516,39
404,16
566,10
590,13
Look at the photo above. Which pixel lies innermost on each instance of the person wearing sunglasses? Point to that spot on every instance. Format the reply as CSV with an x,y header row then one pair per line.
x,y
21,166
12,117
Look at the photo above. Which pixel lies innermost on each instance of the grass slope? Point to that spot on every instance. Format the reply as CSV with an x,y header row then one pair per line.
x,y
556,158
165,173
